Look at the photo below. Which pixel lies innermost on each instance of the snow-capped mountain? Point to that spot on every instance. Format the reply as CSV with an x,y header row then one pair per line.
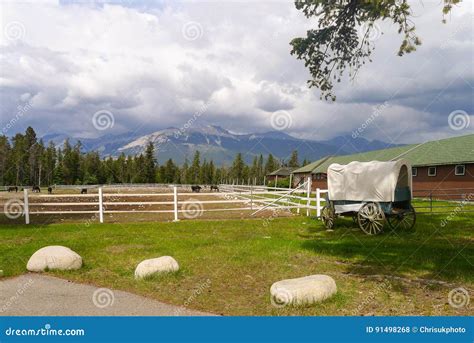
x,y
220,145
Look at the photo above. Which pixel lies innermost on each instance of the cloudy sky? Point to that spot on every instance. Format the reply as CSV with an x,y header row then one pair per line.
x,y
152,65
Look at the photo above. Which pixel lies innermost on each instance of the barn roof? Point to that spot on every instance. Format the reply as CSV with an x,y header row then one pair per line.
x,y
283,171
453,150
309,167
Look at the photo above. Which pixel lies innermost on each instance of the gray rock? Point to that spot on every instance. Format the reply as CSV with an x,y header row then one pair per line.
x,y
163,264
54,257
302,291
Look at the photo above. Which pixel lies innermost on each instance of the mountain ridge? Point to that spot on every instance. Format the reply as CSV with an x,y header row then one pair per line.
x,y
219,144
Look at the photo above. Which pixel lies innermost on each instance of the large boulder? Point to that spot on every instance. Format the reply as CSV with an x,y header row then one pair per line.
x,y
54,257
163,264
302,291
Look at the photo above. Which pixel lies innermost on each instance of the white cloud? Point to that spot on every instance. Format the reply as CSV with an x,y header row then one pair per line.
x,y
136,62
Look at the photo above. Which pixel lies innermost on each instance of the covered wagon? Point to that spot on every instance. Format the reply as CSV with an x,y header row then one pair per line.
x,y
373,193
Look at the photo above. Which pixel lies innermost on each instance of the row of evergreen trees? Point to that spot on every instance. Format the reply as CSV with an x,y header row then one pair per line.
x,y
25,160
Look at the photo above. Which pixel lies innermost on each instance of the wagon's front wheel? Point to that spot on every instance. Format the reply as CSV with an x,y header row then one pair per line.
x,y
371,218
404,220
328,216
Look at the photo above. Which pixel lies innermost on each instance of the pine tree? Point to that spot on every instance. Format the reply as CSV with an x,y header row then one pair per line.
x,y
169,172
260,170
184,175
211,174
49,163
195,168
254,170
5,156
150,163
238,168
271,164
20,159
293,163
58,178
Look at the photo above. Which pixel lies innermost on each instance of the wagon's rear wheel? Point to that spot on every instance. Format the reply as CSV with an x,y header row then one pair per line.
x,y
371,218
328,216
405,220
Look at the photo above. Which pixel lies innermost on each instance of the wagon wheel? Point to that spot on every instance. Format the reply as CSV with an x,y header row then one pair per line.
x,y
328,217
404,220
371,218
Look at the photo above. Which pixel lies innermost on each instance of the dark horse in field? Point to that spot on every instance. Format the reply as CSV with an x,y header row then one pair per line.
x,y
214,188
50,190
36,189
13,188
84,191
196,188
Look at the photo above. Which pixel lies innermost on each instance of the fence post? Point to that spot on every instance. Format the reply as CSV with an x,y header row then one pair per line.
x,y
431,202
251,197
308,195
26,207
318,202
101,206
291,180
175,195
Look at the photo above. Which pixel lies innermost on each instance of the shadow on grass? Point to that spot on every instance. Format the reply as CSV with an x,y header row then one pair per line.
x,y
433,251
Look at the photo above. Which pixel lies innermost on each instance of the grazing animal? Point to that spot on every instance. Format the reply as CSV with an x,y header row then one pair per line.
x,y
50,190
214,187
196,188
84,191
36,189
13,188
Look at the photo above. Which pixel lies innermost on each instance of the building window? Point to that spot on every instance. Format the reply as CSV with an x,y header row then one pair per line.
x,y
414,171
320,176
460,169
431,171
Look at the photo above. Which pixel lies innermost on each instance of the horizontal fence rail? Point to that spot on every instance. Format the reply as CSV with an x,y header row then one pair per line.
x,y
174,199
168,199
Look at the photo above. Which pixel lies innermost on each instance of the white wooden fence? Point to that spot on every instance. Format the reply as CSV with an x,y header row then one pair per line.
x,y
238,197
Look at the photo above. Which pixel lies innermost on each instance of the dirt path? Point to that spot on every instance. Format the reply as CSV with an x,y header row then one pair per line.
x,y
41,295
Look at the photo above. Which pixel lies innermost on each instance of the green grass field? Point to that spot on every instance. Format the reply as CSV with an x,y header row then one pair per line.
x,y
234,262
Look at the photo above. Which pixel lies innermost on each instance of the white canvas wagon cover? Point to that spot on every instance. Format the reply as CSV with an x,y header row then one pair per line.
x,y
368,181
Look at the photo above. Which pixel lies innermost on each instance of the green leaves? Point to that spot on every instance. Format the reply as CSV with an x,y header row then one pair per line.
x,y
345,36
